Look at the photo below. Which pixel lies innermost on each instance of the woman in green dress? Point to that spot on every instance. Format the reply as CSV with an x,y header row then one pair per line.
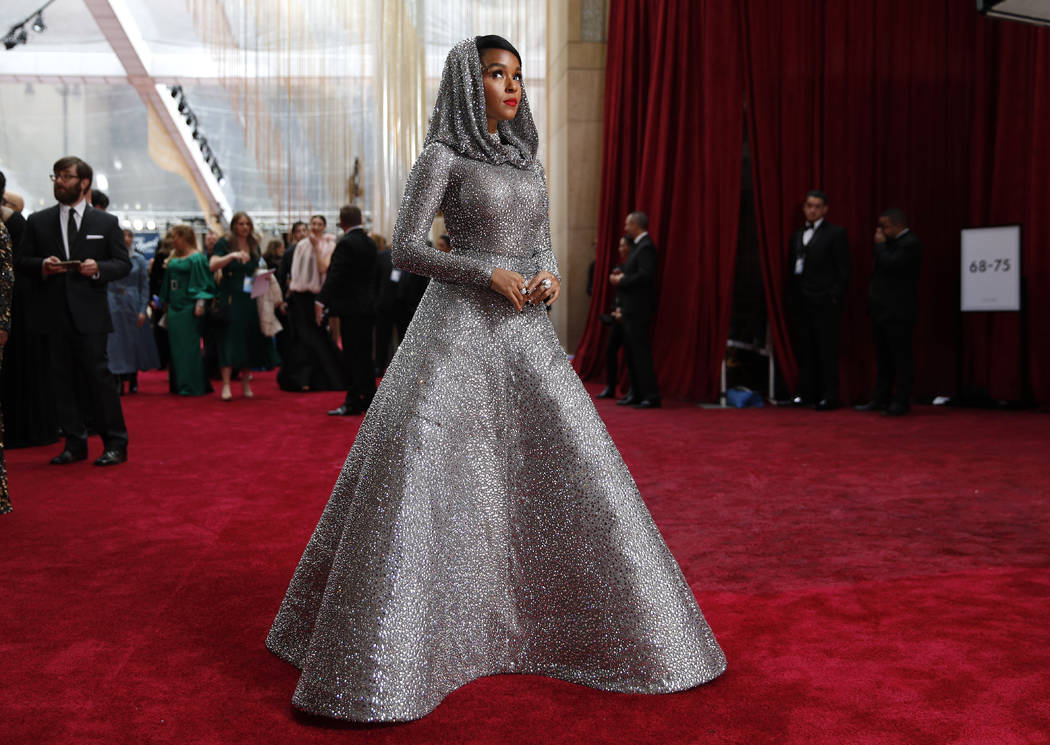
x,y
185,291
241,342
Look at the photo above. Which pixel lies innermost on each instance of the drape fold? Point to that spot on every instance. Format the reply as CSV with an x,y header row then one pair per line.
x,y
928,106
672,102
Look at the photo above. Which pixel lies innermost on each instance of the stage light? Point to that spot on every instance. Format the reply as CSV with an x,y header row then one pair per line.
x,y
1025,11
195,131
17,35
151,224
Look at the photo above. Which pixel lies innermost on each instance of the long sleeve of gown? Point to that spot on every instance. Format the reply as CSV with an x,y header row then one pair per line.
x,y
202,283
423,195
544,255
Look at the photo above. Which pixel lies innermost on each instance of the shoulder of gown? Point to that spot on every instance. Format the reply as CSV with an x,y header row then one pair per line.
x,y
423,196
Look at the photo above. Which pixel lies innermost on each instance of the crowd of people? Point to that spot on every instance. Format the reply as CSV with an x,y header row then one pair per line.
x,y
327,312
92,309
819,273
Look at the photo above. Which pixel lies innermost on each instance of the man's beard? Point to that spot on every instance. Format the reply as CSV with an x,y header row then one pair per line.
x,y
67,194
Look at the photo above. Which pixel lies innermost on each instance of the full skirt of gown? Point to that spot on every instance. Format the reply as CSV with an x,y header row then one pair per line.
x,y
483,523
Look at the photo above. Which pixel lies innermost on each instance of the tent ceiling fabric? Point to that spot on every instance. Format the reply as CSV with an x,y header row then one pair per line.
x,y
287,95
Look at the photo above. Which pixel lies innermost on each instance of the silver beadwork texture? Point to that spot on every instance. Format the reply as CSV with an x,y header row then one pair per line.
x,y
484,521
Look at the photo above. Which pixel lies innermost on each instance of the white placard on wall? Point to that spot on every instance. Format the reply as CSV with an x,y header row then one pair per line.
x,y
991,268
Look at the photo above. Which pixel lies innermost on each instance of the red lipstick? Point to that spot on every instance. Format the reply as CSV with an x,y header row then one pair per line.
x,y
510,101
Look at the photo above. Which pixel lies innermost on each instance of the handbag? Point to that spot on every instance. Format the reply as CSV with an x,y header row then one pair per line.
x,y
219,310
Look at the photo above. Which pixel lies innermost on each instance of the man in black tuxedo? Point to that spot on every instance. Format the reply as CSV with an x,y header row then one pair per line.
x,y
893,302
635,286
819,277
613,320
386,301
70,251
349,293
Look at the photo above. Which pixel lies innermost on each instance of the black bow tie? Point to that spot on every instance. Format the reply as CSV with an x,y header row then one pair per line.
x,y
810,225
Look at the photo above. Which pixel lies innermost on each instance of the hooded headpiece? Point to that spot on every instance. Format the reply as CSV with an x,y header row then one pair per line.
x,y
459,115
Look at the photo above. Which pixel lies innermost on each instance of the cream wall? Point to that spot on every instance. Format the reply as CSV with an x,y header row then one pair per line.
x,y
576,33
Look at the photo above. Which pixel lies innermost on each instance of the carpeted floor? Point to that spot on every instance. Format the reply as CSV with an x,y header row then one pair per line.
x,y
871,581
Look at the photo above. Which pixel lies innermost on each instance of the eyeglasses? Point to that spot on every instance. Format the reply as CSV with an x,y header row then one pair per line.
x,y
63,177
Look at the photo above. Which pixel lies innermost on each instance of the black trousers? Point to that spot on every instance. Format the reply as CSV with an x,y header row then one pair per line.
x,y
313,361
384,325
640,356
83,387
612,354
355,334
895,360
817,325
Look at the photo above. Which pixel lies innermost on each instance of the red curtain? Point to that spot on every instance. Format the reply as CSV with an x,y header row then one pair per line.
x,y
925,106
673,100
868,101
1011,184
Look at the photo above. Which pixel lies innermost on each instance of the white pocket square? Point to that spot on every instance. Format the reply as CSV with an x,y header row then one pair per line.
x,y
95,237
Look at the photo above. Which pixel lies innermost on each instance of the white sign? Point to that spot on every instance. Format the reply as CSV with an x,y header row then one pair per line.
x,y
991,268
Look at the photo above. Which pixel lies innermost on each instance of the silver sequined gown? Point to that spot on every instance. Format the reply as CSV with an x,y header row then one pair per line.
x,y
484,521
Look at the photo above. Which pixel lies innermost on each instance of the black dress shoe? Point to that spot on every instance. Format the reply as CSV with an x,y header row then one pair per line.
x,y
871,406
629,400
896,409
798,401
827,404
111,458
66,457
648,403
344,410
607,392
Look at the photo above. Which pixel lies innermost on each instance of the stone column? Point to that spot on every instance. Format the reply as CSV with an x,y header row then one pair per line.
x,y
576,34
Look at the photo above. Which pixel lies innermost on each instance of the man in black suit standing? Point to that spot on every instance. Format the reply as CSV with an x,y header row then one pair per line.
x,y
70,251
349,293
635,285
893,302
820,266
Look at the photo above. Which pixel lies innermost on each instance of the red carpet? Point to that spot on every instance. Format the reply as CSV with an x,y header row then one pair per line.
x,y
871,581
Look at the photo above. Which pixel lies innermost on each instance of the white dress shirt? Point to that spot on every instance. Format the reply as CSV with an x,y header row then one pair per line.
x,y
807,234
63,220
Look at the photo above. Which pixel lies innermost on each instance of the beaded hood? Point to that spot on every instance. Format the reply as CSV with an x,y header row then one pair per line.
x,y
459,118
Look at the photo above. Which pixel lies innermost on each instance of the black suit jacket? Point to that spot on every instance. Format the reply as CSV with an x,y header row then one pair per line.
x,y
349,287
385,289
825,271
636,293
71,301
894,291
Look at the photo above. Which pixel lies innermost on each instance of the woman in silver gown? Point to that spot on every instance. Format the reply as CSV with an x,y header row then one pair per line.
x,y
484,521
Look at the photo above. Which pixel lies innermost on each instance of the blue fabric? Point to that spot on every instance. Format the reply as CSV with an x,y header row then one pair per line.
x,y
131,348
